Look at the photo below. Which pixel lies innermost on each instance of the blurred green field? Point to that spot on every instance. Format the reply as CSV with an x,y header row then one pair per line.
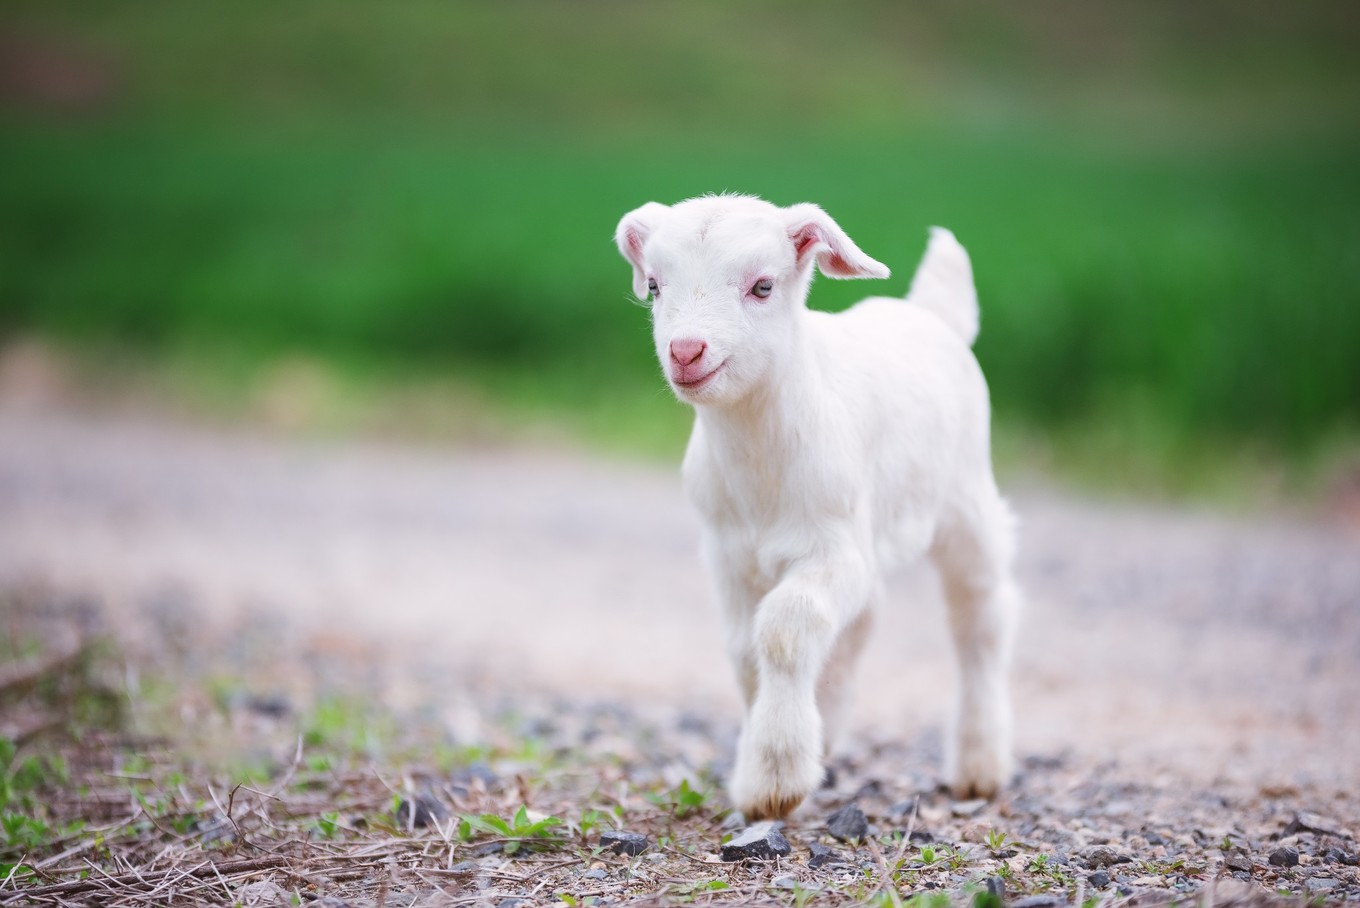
x,y
1166,239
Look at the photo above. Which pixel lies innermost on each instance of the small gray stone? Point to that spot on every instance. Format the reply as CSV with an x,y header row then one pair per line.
x,y
967,809
330,901
465,867
630,843
261,894
1321,884
1318,825
1238,862
476,772
822,856
596,874
848,823
1337,856
1285,857
785,882
1103,856
760,841
1098,880
995,887
1038,901
423,811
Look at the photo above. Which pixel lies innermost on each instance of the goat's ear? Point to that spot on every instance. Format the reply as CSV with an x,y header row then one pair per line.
x,y
632,234
815,235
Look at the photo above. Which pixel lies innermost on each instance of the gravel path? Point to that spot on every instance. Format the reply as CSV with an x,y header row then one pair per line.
x,y
1171,655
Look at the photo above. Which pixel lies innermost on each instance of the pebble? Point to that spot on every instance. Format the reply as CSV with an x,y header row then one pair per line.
x,y
1337,856
476,772
1238,862
261,893
329,901
848,823
630,843
995,886
1314,823
1321,884
822,855
596,874
1285,857
421,812
968,808
1038,901
760,841
1103,856
465,867
1099,880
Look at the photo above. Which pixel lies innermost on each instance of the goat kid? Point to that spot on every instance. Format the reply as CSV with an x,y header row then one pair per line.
x,y
826,449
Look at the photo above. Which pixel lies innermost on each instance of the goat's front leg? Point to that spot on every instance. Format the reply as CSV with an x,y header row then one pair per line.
x,y
796,628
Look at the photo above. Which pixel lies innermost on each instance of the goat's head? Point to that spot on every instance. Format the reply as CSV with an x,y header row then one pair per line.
x,y
728,277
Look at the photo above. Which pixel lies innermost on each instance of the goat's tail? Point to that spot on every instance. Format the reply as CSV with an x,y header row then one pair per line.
x,y
944,284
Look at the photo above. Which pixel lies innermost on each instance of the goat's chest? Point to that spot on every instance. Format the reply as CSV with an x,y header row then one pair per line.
x,y
763,515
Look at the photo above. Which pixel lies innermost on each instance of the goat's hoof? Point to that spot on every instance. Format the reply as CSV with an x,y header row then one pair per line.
x,y
967,791
982,777
770,808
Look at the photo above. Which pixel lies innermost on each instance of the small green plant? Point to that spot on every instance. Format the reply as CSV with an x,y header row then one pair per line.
x,y
955,857
326,825
928,854
685,892
681,800
517,832
996,839
568,899
801,895
23,832
984,898
591,820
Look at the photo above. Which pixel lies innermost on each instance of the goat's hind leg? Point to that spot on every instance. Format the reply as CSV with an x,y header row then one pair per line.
x,y
974,550
835,688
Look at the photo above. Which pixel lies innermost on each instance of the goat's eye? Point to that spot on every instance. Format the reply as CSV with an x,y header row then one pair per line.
x,y
652,288
762,289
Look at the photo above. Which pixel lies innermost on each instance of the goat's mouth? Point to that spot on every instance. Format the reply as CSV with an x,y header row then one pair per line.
x,y
700,382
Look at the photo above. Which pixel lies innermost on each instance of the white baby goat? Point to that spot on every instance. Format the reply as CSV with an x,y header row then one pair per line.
x,y
826,448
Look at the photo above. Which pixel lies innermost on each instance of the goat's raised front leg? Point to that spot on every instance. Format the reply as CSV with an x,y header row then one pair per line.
x,y
795,631
974,555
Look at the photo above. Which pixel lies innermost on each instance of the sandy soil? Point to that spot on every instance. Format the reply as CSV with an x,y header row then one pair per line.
x,y
1220,651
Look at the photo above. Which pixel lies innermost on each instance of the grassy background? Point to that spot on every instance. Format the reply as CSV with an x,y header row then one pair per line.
x,y
1161,202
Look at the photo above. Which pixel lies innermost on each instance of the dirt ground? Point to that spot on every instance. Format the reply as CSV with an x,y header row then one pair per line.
x,y
1169,659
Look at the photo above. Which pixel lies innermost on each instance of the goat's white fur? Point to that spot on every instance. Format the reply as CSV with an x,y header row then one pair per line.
x,y
825,449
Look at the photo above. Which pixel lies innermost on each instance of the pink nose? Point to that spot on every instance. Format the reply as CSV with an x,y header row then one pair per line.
x,y
687,351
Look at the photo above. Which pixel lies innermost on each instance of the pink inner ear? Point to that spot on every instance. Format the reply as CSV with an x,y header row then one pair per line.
x,y
634,242
807,236
833,264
